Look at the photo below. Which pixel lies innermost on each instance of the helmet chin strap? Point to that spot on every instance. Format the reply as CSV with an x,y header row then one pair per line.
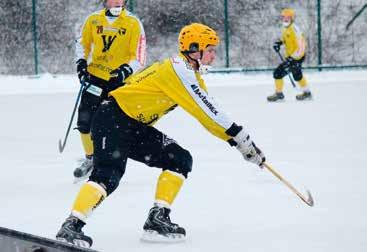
x,y
203,69
197,61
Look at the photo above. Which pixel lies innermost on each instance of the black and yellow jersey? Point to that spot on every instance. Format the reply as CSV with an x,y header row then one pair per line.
x,y
158,89
108,42
294,41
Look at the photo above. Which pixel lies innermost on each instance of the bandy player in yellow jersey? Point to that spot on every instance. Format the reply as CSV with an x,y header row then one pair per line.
x,y
111,47
123,128
295,47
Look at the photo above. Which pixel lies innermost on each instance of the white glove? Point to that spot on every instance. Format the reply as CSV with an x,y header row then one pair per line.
x,y
248,149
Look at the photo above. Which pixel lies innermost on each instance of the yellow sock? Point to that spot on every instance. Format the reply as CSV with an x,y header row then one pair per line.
x,y
303,82
87,144
169,184
279,83
90,196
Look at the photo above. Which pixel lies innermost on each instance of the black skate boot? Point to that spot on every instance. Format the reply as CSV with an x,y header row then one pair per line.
x,y
306,95
71,232
159,228
84,170
276,97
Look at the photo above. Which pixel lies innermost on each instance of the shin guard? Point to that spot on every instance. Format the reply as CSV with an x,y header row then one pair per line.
x,y
168,186
87,144
90,196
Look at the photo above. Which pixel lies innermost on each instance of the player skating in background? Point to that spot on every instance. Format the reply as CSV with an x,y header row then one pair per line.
x,y
111,48
123,128
295,46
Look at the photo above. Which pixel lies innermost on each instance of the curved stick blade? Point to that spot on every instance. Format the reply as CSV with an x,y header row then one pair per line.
x,y
310,200
61,146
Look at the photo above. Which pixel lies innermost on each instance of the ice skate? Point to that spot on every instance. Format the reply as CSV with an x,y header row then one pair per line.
x,y
84,170
306,95
159,228
276,97
71,232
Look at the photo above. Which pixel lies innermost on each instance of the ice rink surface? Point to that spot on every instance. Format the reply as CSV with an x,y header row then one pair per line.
x,y
226,204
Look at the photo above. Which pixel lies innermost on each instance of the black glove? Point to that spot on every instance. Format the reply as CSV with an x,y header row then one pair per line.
x,y
120,74
81,68
277,45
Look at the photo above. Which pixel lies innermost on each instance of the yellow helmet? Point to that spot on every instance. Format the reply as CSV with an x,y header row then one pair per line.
x,y
196,37
288,13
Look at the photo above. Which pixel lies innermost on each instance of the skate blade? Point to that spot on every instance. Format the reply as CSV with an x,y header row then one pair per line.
x,y
151,236
76,242
305,99
277,101
81,243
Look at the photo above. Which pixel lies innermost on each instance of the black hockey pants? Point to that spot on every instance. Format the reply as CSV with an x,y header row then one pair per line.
x,y
117,137
295,68
90,101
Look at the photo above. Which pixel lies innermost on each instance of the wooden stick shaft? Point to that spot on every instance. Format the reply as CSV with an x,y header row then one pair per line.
x,y
289,185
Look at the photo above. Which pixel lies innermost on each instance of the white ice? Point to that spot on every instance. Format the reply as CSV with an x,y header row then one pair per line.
x,y
226,204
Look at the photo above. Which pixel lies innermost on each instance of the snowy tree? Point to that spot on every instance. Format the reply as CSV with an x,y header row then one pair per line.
x,y
253,27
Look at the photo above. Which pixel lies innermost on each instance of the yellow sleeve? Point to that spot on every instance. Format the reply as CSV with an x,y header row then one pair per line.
x,y
84,43
137,45
187,91
283,36
300,43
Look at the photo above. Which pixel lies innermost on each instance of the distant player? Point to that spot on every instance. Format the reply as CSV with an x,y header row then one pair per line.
x,y
295,46
111,48
123,128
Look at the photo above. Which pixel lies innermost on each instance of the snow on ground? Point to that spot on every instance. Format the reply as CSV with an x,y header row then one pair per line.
x,y
226,204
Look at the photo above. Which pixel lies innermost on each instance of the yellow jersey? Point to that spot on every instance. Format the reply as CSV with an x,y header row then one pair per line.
x,y
294,41
153,92
107,42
